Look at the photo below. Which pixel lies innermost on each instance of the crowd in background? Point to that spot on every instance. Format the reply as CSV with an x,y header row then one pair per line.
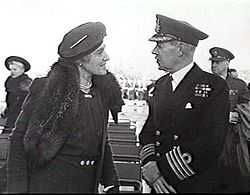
x,y
134,88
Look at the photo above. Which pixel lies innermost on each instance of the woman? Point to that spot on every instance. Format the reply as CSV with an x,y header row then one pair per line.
x,y
59,144
17,87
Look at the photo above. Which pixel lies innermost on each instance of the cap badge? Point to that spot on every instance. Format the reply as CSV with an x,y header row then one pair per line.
x,y
215,53
79,41
202,90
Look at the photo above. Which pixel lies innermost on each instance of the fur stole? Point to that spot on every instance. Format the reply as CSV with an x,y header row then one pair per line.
x,y
111,93
110,90
53,115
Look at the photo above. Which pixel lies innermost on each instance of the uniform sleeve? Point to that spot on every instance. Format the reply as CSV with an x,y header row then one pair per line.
x,y
149,132
147,139
194,157
17,175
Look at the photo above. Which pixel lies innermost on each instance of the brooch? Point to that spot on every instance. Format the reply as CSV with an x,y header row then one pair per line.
x,y
202,90
88,95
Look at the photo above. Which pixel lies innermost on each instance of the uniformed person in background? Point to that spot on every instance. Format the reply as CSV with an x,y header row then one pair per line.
x,y
220,61
185,129
233,73
59,143
16,87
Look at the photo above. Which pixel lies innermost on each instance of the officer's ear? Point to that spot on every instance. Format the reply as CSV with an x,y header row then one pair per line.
x,y
227,63
179,46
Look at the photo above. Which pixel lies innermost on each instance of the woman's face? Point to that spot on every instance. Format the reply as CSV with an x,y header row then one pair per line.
x,y
16,69
95,63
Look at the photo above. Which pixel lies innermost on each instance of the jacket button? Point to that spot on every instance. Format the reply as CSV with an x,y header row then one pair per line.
x,y
158,154
176,137
157,143
157,132
82,162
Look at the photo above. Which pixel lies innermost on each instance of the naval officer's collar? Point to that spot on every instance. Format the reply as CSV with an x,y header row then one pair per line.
x,y
180,74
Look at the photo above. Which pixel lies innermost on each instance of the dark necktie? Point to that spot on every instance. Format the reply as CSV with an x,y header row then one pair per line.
x,y
170,79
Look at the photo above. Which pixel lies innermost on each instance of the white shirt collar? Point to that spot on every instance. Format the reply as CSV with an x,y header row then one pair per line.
x,y
179,75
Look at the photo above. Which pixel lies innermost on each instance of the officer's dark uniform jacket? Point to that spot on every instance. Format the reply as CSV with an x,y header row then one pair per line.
x,y
185,130
236,88
234,181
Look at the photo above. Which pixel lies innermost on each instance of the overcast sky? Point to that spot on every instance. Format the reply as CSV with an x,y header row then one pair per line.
x,y
34,28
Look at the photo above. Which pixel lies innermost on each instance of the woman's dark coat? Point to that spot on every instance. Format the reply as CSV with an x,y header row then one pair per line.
x,y
16,91
53,98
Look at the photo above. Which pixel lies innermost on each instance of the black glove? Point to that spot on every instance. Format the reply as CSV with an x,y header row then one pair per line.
x,y
114,116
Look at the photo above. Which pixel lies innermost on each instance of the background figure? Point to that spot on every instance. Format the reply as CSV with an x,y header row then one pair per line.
x,y
233,73
59,144
112,90
182,136
16,87
220,61
243,146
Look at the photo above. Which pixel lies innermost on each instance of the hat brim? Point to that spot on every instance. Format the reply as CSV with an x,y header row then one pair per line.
x,y
18,59
160,38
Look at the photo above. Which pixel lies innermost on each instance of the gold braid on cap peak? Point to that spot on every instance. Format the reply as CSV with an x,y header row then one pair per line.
x,y
157,27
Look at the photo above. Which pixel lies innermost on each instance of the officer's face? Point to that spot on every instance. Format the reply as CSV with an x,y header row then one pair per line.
x,y
96,61
16,69
219,67
166,55
234,74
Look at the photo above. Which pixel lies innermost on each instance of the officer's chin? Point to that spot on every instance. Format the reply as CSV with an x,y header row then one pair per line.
x,y
162,68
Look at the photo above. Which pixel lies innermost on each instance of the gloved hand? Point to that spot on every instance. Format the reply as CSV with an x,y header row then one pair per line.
x,y
151,173
114,114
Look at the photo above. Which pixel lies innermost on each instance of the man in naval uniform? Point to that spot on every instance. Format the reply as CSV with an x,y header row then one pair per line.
x,y
183,135
235,181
